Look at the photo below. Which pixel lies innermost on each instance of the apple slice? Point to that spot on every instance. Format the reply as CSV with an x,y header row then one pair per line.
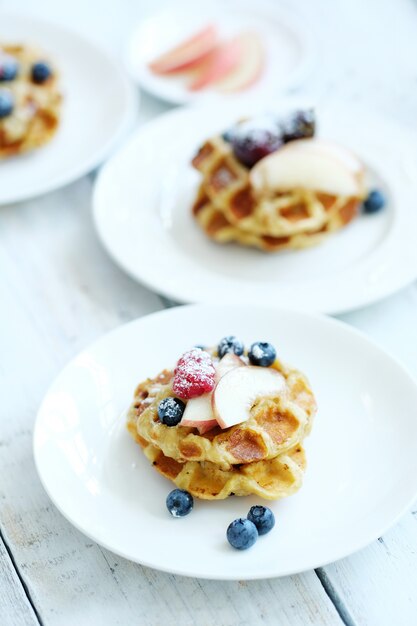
x,y
199,414
227,363
218,63
310,164
249,67
188,53
236,392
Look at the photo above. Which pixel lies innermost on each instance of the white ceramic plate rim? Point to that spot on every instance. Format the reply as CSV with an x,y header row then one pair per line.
x,y
328,295
290,19
126,121
197,573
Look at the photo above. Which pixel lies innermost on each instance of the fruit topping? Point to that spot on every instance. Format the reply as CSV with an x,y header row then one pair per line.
x,y
255,139
6,103
262,353
199,414
237,391
242,534
374,202
263,518
170,411
9,68
179,502
229,344
298,125
194,374
41,71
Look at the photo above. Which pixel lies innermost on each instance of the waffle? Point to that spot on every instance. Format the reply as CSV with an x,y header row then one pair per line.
x,y
273,479
37,107
275,425
228,209
218,227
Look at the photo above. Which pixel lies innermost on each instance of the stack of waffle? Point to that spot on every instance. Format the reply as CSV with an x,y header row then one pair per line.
x,y
262,456
228,208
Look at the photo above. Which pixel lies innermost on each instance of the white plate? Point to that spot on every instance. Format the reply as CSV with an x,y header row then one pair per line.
x,y
362,453
142,211
289,45
99,107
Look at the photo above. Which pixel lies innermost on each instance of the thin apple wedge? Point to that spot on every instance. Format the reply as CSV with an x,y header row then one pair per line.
x,y
236,392
227,363
188,53
310,164
199,414
249,68
219,62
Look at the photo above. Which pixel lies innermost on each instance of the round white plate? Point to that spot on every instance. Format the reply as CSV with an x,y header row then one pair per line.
x,y
289,45
142,211
362,453
99,106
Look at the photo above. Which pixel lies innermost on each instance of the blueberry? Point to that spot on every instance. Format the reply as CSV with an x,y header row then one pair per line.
x,y
298,125
229,344
41,72
179,502
262,353
374,202
170,411
242,534
9,68
6,103
263,518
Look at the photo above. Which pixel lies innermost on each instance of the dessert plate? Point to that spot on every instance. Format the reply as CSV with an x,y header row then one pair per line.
x,y
362,453
99,106
288,45
142,212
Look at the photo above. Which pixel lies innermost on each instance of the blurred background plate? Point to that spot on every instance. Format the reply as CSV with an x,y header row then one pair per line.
x,y
142,207
289,45
99,106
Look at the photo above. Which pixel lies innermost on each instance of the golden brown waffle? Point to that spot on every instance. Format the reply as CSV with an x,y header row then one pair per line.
x,y
217,226
273,479
36,113
228,209
275,425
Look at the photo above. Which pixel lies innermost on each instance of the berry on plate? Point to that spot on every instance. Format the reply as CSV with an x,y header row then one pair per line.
x,y
242,534
194,374
170,411
299,125
6,103
9,68
251,142
41,71
262,353
179,502
374,202
229,344
263,518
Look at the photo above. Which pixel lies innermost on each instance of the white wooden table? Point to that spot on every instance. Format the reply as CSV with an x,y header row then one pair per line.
x,y
59,291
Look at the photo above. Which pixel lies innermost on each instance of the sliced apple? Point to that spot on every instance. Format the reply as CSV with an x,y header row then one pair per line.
x,y
310,164
236,392
199,414
219,62
249,67
188,53
229,362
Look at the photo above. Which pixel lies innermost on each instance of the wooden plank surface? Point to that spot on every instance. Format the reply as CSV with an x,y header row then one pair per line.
x,y
59,291
15,608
